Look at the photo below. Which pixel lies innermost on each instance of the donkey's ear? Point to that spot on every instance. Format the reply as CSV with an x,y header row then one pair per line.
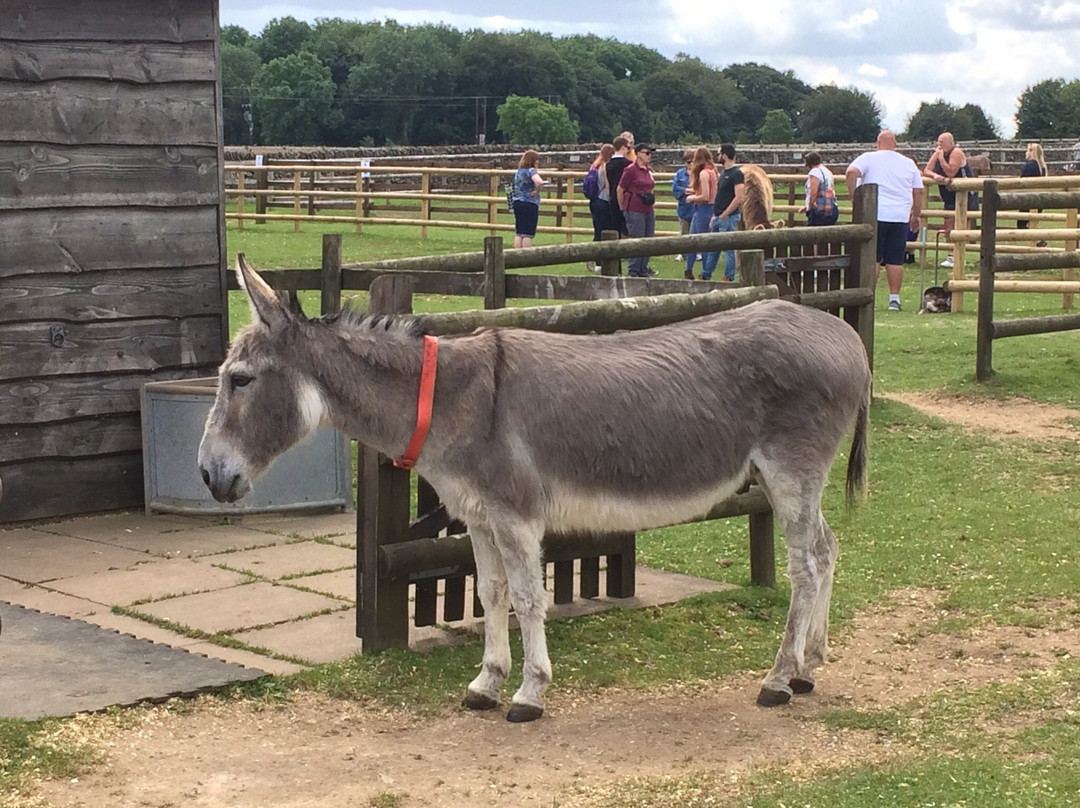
x,y
265,305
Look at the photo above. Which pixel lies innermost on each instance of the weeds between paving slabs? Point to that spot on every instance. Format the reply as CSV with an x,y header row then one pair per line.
x,y
987,522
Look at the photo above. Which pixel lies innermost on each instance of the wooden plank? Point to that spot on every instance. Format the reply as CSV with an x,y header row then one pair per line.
x,y
68,439
590,577
107,238
54,487
110,295
454,599
58,397
32,350
176,21
74,112
564,581
42,175
136,62
427,599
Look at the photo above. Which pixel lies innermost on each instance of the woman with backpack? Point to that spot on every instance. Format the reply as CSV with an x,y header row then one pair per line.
x,y
820,207
526,198
595,188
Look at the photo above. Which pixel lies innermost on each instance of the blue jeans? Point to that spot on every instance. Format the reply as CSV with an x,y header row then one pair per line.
x,y
728,225
699,223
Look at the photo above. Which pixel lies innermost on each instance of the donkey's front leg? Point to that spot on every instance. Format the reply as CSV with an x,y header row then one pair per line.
x,y
519,544
483,692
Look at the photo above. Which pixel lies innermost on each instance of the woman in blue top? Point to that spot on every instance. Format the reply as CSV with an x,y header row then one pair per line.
x,y
527,182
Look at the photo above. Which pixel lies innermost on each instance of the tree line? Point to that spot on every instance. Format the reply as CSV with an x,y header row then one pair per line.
x,y
345,83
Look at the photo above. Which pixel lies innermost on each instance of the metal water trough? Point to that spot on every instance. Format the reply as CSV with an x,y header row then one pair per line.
x,y
317,474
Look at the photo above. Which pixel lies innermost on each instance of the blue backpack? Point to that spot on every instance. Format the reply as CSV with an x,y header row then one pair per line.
x,y
590,186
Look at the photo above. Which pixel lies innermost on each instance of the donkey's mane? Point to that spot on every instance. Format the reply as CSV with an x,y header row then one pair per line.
x,y
350,319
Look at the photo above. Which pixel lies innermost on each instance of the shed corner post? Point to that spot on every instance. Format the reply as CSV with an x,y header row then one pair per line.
x,y
382,514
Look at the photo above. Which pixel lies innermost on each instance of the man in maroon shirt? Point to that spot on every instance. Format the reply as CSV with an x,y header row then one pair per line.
x,y
636,199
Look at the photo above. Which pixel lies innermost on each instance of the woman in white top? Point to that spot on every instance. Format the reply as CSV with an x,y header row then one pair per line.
x,y
818,180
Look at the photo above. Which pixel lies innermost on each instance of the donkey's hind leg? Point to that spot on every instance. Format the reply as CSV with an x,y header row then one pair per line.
x,y
519,540
796,500
491,586
824,552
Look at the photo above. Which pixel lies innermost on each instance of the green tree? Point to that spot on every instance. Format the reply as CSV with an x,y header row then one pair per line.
x,y
1040,113
1068,124
837,115
931,119
687,95
763,88
403,89
983,126
240,68
527,120
236,35
777,127
294,100
282,37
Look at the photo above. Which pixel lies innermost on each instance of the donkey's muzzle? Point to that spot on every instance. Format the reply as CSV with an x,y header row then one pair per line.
x,y
225,487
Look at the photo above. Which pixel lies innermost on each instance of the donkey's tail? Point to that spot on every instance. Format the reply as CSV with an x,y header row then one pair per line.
x,y
856,467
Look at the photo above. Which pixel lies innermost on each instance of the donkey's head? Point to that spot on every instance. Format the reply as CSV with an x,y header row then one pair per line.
x,y
265,403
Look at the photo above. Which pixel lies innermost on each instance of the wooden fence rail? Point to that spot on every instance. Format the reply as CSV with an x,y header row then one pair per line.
x,y
430,553
990,264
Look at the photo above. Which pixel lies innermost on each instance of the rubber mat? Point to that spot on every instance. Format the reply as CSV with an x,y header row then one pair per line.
x,y
57,666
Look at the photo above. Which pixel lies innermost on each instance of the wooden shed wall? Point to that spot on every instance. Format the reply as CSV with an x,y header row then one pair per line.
x,y
111,237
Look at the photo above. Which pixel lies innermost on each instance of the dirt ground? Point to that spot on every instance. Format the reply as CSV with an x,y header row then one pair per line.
x,y
1016,417
318,752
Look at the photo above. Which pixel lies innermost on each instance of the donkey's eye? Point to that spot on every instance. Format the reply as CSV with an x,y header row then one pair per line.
x,y
237,380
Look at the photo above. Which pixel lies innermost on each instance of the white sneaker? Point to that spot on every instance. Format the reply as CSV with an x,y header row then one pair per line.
x,y
947,263
679,257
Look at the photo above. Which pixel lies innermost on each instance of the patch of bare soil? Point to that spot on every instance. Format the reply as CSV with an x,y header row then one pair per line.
x,y
1015,417
318,752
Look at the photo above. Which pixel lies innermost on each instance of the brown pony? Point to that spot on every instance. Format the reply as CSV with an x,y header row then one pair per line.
x,y
757,202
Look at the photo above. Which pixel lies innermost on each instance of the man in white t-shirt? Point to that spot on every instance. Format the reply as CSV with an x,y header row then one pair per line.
x,y
900,198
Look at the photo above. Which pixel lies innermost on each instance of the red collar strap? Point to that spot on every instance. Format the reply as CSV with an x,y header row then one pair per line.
x,y
424,404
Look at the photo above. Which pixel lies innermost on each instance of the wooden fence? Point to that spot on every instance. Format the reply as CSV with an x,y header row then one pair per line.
x,y
992,263
430,552
1047,242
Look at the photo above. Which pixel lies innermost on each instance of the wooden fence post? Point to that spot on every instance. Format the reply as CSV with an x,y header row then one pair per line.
x,y
1070,245
382,514
240,199
425,203
610,266
752,268
361,182
493,207
560,186
984,323
570,210
297,179
864,268
494,273
330,281
262,183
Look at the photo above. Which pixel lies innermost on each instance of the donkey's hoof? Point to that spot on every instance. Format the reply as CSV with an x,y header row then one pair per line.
x,y
478,701
772,698
520,713
801,686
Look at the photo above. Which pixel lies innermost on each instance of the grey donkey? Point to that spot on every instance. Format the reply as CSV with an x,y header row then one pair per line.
x,y
533,432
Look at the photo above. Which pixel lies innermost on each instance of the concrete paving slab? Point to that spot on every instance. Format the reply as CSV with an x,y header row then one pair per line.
x,y
324,638
312,526
33,556
111,526
154,580
43,599
141,629
298,558
200,541
44,676
238,656
239,607
340,584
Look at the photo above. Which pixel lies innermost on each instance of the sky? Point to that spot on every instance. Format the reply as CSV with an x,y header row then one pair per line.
x,y
904,52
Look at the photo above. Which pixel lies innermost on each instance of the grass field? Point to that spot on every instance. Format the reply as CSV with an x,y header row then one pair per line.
x,y
990,522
